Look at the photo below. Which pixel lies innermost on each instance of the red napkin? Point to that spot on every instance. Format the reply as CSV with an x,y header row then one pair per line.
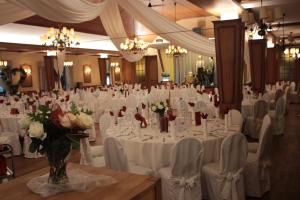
x,y
8,103
1,101
140,118
111,113
204,116
191,104
143,106
216,102
171,117
14,111
198,118
199,92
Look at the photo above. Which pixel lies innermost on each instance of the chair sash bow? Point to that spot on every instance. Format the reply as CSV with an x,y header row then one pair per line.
x,y
229,190
186,184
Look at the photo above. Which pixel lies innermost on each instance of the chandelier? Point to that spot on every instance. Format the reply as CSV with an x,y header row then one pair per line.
x,y
60,38
292,52
3,63
175,51
134,46
267,20
68,63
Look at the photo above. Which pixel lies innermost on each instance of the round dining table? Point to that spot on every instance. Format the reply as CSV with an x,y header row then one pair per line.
x,y
152,149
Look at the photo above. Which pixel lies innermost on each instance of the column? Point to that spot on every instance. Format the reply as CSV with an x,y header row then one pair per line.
x,y
229,39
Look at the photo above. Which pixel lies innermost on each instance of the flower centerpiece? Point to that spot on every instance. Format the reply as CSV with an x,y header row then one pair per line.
x,y
159,108
53,133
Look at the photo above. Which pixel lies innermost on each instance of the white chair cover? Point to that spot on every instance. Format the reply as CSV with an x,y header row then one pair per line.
x,y
116,159
13,140
91,155
277,116
224,180
253,123
236,119
182,179
104,123
257,170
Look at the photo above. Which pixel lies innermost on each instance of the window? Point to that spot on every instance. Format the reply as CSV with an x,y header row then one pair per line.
x,y
140,71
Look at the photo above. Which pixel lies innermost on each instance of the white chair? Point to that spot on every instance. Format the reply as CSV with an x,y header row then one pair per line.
x,y
116,159
224,179
104,123
13,140
235,120
277,117
266,124
257,169
253,123
182,179
90,155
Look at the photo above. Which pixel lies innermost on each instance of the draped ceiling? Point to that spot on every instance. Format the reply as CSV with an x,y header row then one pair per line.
x,y
77,11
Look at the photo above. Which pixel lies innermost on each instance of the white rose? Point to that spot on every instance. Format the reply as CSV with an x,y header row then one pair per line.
x,y
153,108
25,122
160,107
36,130
84,121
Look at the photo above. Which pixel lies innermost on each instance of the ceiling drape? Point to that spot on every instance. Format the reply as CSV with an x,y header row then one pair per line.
x,y
67,11
167,29
76,11
113,25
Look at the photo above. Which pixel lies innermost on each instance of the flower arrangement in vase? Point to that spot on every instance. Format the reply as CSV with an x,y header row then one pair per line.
x,y
53,133
159,108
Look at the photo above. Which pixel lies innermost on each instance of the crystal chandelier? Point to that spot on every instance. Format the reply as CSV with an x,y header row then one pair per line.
x,y
134,46
292,52
3,63
68,63
60,38
175,51
267,20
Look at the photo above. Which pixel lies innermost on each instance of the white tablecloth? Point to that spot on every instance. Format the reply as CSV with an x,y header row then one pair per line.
x,y
153,149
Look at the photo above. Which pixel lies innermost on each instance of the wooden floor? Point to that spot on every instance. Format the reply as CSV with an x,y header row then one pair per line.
x,y
285,174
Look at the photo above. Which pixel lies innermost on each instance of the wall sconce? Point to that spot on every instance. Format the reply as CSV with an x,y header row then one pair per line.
x,y
51,53
68,63
3,63
117,69
87,73
27,71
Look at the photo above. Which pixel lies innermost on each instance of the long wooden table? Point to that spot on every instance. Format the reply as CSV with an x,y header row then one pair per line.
x,y
129,186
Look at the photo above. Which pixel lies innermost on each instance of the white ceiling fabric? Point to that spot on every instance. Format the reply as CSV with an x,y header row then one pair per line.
x,y
76,11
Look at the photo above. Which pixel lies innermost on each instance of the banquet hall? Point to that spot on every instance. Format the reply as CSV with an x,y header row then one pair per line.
x,y
150,99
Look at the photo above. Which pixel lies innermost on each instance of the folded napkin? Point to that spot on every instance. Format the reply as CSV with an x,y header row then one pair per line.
x,y
191,104
14,111
143,122
199,92
204,115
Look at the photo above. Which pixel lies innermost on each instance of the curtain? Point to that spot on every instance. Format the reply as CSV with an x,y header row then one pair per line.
x,y
113,25
167,29
43,77
68,11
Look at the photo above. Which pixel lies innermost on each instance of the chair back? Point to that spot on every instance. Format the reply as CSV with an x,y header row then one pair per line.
x,y
131,101
280,107
200,106
233,153
104,123
186,157
279,93
265,140
236,118
260,109
115,157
